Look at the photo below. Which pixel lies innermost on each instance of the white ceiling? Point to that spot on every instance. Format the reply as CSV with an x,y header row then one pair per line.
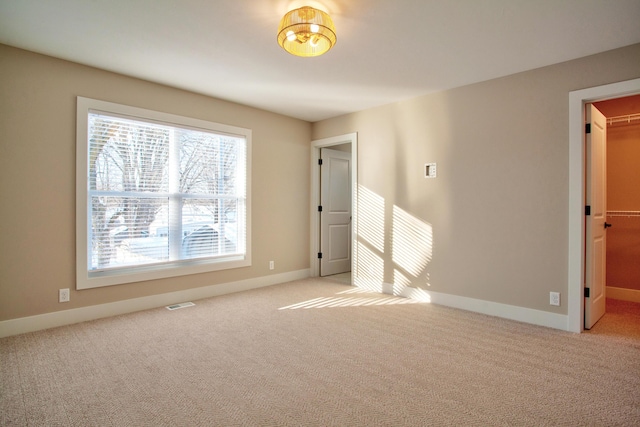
x,y
387,50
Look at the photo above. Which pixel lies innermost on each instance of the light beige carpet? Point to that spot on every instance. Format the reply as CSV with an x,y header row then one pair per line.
x,y
316,353
622,319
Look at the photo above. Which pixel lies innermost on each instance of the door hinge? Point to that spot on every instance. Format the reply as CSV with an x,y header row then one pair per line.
x,y
320,162
587,210
319,255
586,292
319,208
587,128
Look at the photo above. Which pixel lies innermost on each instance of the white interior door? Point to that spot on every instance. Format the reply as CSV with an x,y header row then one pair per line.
x,y
335,216
596,200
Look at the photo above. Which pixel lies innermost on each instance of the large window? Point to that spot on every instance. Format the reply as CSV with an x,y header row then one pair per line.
x,y
158,195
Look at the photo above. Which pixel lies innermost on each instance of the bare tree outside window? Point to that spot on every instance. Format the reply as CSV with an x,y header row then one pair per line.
x,y
159,193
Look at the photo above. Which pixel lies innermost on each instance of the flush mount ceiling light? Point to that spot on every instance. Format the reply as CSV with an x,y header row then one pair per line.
x,y
306,32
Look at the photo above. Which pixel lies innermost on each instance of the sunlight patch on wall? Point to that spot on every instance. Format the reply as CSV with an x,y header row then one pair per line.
x,y
370,269
411,242
371,218
402,286
409,248
400,282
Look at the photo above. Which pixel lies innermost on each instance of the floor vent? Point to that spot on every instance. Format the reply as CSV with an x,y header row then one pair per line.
x,y
181,305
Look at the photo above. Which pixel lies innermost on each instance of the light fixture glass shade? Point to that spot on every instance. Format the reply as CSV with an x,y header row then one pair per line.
x,y
306,32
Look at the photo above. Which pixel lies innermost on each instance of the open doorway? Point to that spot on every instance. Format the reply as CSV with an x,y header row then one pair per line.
x,y
346,144
577,172
623,196
622,277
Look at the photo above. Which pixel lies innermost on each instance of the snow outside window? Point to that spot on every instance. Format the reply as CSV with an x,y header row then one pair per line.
x,y
158,195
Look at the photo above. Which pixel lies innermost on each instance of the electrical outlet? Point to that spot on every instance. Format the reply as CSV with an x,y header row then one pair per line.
x,y
63,295
554,298
429,170
272,265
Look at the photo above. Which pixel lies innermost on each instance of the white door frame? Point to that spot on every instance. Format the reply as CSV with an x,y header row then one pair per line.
x,y
350,138
577,239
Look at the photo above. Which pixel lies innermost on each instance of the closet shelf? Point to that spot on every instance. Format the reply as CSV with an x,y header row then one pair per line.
x,y
624,213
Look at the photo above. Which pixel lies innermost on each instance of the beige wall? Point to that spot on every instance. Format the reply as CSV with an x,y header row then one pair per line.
x,y
623,194
37,181
493,224
496,214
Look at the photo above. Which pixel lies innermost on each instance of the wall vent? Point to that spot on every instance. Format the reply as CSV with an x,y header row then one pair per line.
x,y
181,305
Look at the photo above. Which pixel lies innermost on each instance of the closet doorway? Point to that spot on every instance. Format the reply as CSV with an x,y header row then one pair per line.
x,y
612,229
623,197
577,186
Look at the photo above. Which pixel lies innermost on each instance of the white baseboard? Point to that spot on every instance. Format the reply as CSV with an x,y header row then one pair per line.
x,y
506,311
76,315
623,294
512,312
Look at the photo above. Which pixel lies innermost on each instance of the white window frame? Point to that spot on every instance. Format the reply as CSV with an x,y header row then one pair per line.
x,y
86,279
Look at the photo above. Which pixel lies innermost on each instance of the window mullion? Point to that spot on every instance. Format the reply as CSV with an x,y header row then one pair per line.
x,y
175,200
219,190
160,198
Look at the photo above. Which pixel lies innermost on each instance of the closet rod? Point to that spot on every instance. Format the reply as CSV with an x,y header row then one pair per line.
x,y
623,119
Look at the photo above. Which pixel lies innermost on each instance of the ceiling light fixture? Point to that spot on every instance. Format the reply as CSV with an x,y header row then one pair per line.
x,y
306,32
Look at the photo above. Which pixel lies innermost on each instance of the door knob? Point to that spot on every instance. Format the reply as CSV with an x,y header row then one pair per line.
x,y
607,225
